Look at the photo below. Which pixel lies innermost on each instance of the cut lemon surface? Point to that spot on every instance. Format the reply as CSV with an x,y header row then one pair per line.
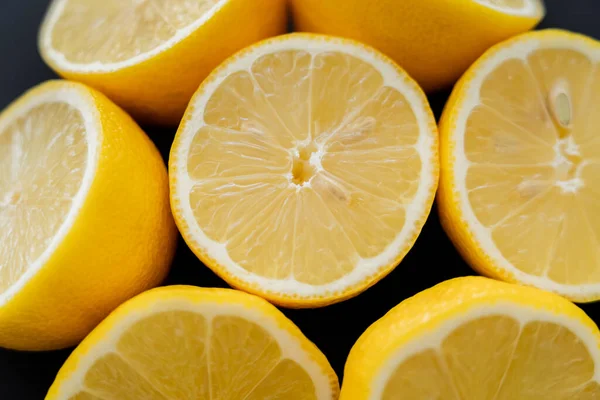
x,y
520,184
476,338
185,343
304,169
434,40
84,215
150,56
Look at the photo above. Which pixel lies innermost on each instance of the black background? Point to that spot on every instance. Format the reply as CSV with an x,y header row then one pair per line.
x,y
334,329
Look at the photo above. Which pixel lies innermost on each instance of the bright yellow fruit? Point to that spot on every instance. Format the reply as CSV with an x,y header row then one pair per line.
x,y
520,186
304,169
84,215
476,338
150,56
434,40
183,342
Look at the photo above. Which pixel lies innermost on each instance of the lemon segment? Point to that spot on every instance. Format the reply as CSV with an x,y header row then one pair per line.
x,y
190,343
304,169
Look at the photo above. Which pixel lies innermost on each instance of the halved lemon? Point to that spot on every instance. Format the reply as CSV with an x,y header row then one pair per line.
x,y
150,56
85,222
476,338
304,169
434,40
520,184
183,343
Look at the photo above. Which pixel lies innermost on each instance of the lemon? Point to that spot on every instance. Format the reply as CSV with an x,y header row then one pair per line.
x,y
434,40
150,56
183,342
84,215
476,338
520,164
304,169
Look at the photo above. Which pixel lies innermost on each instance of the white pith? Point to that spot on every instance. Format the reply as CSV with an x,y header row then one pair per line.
x,y
524,315
366,268
290,347
518,50
531,8
61,61
80,100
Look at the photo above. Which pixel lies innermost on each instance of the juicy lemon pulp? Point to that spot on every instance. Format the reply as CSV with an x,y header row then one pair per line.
x,y
533,161
499,358
173,362
307,163
43,158
113,31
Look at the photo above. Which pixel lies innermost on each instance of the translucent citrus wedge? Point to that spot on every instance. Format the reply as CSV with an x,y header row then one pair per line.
x,y
476,338
520,187
304,169
188,343
84,215
150,56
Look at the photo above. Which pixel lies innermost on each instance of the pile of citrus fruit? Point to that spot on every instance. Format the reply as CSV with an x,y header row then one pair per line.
x,y
303,170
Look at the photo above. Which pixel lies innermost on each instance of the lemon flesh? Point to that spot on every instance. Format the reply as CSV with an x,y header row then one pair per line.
x,y
498,357
545,192
113,31
43,158
304,191
182,344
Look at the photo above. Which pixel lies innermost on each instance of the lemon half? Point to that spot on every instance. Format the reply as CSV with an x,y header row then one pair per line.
x,y
476,338
183,342
84,215
150,56
520,163
304,169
